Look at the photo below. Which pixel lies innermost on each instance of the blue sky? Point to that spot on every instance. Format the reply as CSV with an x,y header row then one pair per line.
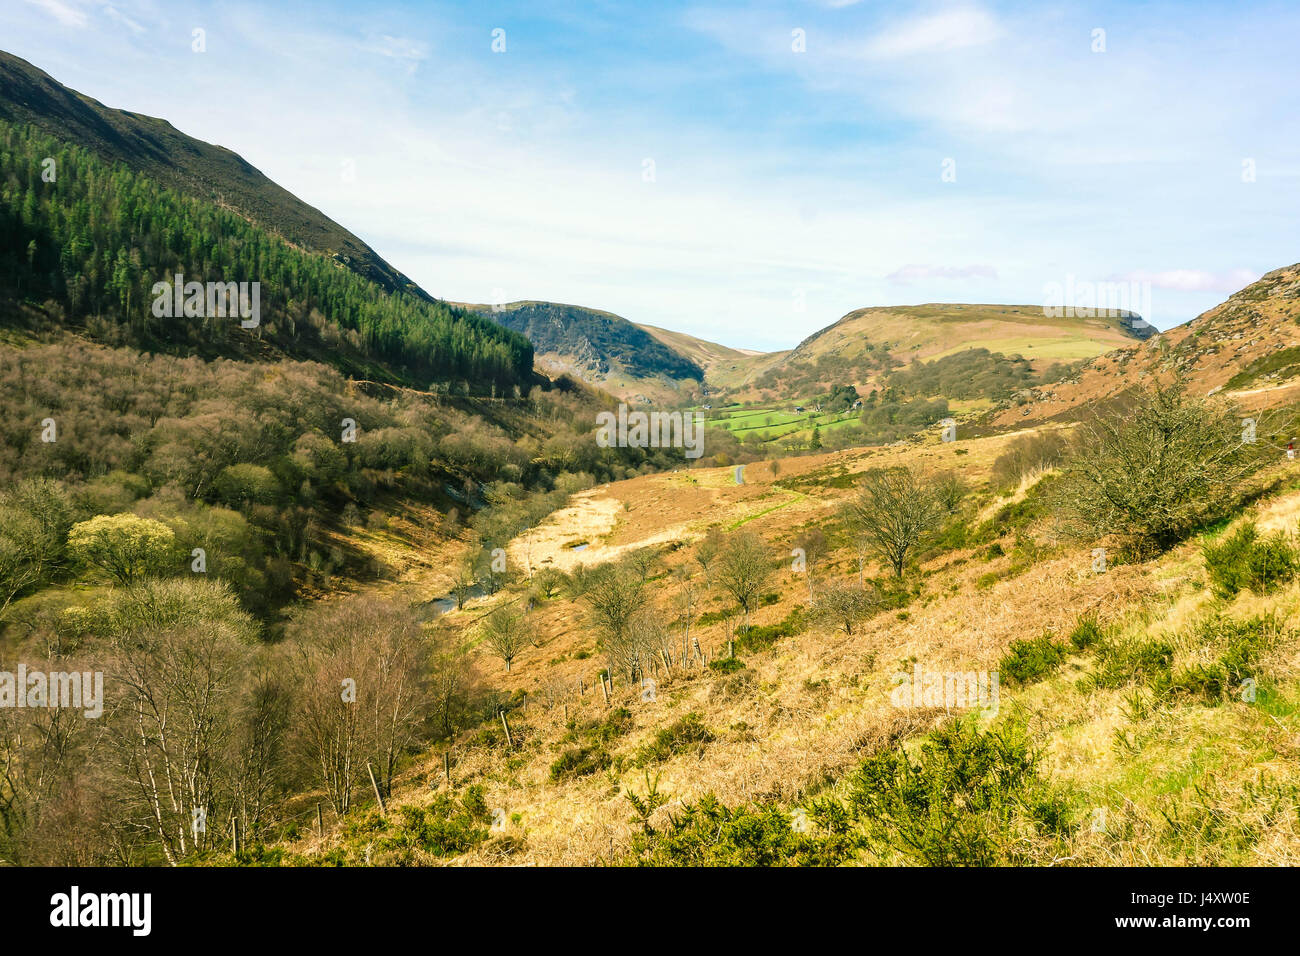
x,y
789,186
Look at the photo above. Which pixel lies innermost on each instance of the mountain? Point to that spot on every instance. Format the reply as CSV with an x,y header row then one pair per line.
x,y
602,349
1248,346
89,232
156,149
284,397
868,343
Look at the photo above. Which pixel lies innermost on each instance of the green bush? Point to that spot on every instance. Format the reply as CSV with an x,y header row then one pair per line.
x,y
1137,660
967,798
757,637
1029,661
687,734
580,762
1244,559
1087,632
1244,644
707,833
726,665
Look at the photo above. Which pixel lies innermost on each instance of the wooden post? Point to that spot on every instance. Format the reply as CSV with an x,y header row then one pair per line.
x,y
582,687
566,713
378,796
510,744
446,767
320,821
603,690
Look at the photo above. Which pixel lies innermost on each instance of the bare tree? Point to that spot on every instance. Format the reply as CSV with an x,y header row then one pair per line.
x,y
744,567
894,514
844,606
505,633
614,593
462,585
814,546
706,552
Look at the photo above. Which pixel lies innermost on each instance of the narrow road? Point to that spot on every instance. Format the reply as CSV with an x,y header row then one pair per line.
x,y
740,474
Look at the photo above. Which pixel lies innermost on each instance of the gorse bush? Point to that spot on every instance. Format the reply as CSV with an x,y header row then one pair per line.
x,y
1027,661
580,762
708,833
1241,646
686,734
445,827
1245,559
1154,472
1087,632
1134,660
966,798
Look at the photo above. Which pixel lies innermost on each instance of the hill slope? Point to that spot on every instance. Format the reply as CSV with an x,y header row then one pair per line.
x,y
167,156
602,349
867,343
1248,345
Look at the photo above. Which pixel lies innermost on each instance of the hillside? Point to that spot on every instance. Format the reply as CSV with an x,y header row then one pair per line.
x,y
602,349
156,149
89,249
710,356
1248,346
1117,737
866,344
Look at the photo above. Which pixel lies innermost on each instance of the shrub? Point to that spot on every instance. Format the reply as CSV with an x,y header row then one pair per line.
x,y
686,734
1087,632
757,637
726,665
1243,643
1028,661
968,798
1154,472
580,762
1026,454
1243,559
708,833
1137,660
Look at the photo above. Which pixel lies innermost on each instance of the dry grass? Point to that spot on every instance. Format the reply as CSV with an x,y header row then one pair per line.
x,y
804,712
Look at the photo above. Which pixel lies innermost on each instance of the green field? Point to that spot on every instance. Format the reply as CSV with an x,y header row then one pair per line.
x,y
775,422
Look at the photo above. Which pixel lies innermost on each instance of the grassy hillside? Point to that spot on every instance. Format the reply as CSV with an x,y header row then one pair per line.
x,y
1245,346
865,345
1146,713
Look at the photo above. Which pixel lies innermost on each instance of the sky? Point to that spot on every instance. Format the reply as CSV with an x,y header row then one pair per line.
x,y
747,173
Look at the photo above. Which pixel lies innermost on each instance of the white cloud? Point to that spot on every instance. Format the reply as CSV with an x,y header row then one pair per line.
x,y
953,29
1194,280
396,48
61,12
910,273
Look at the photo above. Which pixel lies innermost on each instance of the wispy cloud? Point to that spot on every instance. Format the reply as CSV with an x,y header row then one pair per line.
x,y
396,48
65,14
1194,280
953,29
911,273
